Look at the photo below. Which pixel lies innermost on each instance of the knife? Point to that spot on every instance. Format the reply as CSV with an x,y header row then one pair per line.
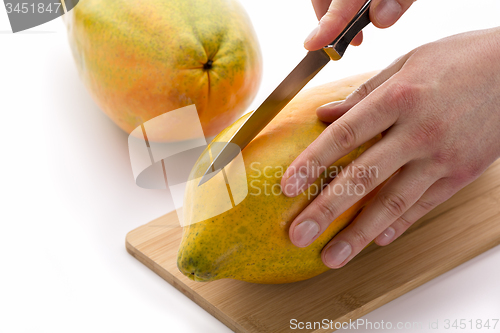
x,y
312,63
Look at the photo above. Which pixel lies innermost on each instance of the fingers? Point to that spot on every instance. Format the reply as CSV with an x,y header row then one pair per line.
x,y
358,39
438,193
352,129
332,111
338,139
394,199
358,179
384,13
334,16
334,20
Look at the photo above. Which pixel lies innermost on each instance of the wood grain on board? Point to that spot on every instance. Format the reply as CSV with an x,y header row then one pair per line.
x,y
454,232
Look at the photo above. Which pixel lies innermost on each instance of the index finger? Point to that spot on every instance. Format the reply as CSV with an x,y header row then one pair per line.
x,y
364,121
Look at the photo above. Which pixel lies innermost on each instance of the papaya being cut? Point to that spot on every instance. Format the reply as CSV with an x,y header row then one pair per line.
x,y
250,242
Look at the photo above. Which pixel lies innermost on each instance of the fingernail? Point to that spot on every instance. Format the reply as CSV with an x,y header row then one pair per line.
x,y
386,237
337,253
295,183
312,35
387,12
330,105
304,233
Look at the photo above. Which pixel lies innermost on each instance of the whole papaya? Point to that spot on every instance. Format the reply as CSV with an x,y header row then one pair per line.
x,y
250,242
142,58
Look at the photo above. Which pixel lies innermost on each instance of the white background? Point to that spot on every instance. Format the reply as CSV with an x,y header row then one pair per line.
x,y
69,199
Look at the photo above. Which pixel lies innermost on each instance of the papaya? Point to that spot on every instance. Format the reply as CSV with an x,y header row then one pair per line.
x,y
140,59
250,242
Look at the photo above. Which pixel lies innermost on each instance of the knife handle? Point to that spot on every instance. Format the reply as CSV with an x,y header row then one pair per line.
x,y
337,48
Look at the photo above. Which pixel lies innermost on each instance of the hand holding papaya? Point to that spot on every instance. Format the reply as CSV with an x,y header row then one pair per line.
x,y
439,107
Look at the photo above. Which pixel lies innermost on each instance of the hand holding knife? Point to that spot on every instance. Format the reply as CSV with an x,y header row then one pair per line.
x,y
312,63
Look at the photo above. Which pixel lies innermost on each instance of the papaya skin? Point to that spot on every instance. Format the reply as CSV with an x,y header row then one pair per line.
x,y
251,242
140,59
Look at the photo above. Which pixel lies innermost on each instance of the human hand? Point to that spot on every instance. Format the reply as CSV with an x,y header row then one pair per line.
x,y
439,107
334,15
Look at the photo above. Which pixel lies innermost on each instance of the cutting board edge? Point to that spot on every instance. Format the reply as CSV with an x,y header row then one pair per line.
x,y
410,285
176,283
140,240
353,315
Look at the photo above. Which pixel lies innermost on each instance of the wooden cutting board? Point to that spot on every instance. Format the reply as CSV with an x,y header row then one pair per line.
x,y
454,232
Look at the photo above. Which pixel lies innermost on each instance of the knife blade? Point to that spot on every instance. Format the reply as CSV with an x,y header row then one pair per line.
x,y
312,63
